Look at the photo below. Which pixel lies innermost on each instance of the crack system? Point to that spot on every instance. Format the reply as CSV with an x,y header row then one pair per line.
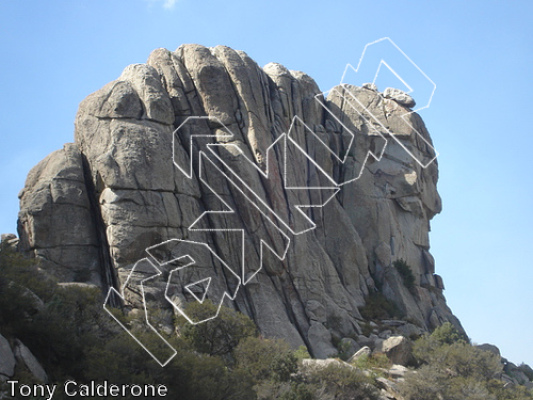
x,y
107,271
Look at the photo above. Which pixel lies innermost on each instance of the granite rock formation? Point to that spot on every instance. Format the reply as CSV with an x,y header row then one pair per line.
x,y
89,210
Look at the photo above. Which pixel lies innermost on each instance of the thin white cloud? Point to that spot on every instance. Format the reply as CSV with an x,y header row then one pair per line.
x,y
167,4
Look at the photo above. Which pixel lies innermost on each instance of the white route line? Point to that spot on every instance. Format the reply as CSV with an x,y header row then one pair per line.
x,y
111,291
256,200
229,210
190,263
404,116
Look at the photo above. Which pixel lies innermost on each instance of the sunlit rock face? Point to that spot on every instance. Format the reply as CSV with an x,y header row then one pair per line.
x,y
90,210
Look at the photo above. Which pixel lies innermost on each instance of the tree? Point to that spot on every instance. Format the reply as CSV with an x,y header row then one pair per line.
x,y
448,334
220,335
406,273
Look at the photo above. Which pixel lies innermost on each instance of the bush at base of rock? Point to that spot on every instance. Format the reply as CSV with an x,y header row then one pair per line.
x,y
266,359
369,361
220,335
453,369
340,382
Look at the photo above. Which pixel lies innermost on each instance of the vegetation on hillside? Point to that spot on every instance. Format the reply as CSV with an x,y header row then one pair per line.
x,y
68,331
451,368
224,359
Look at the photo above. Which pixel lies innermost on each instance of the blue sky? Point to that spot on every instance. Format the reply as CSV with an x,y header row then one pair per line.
x,y
479,54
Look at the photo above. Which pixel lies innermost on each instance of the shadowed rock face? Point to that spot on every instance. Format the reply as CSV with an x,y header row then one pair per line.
x,y
90,210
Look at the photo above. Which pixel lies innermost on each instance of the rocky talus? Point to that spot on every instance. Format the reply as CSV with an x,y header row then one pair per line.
x,y
89,210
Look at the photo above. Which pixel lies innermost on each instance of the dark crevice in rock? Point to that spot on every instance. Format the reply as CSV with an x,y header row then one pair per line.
x,y
64,245
107,271
290,312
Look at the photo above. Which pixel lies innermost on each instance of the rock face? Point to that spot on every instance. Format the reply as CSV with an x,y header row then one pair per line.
x,y
7,359
12,359
56,221
24,355
90,210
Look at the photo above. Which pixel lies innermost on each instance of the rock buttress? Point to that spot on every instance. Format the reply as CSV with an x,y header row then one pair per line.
x,y
124,146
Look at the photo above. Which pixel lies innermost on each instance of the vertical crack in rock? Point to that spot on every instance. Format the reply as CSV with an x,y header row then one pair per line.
x,y
107,270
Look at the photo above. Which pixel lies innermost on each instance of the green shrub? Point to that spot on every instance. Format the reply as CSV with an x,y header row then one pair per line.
x,y
220,335
341,382
298,391
367,329
22,291
459,357
210,379
283,365
301,353
72,336
504,391
269,390
378,307
431,382
24,273
406,273
374,360
427,383
453,369
343,348
266,359
448,334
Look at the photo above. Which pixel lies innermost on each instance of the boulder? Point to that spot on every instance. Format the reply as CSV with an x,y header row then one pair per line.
x,y
516,373
370,86
363,341
490,348
10,240
398,350
397,371
24,355
311,363
378,343
508,380
362,352
409,330
399,96
526,369
320,341
349,346
389,388
7,359
4,237
385,334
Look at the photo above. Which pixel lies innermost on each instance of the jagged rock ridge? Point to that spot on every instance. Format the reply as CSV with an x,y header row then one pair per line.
x,y
89,210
